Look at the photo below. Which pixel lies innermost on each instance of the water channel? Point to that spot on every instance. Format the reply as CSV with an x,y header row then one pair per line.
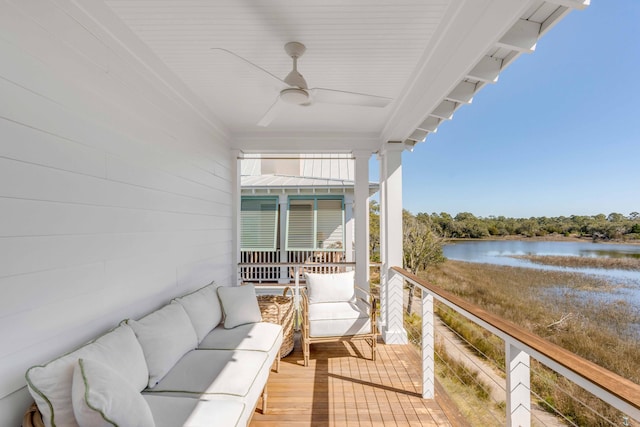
x,y
501,252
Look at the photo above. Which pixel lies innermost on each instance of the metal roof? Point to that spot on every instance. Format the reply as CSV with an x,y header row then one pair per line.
x,y
274,183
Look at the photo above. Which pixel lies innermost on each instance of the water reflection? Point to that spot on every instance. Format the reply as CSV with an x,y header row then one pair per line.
x,y
501,252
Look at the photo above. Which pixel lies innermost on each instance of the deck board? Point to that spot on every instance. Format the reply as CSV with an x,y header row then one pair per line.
x,y
343,387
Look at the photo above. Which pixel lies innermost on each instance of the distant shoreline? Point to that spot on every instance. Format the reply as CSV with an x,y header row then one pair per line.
x,y
631,264
547,238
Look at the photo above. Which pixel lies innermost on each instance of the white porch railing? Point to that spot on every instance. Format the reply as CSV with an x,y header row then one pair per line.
x,y
258,266
267,267
520,346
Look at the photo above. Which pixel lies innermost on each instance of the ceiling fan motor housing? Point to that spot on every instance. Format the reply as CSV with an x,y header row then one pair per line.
x,y
294,95
295,79
297,92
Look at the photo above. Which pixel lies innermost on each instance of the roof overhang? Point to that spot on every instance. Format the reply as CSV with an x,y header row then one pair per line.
x,y
429,56
298,185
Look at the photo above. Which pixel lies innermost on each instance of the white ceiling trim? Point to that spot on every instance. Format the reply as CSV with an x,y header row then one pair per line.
x,y
462,45
520,38
327,142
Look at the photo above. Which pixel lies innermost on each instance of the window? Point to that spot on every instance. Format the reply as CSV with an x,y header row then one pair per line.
x,y
258,223
315,223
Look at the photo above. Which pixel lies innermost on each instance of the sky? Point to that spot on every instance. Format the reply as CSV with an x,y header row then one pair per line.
x,y
558,134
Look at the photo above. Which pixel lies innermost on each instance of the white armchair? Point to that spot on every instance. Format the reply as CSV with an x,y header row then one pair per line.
x,y
334,309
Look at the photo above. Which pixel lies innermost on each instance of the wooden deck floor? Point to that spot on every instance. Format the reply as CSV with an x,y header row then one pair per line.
x,y
341,387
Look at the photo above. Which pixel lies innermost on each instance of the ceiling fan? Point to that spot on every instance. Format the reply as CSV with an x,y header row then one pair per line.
x,y
294,89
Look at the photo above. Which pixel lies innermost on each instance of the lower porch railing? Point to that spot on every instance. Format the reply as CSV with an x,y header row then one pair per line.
x,y
268,267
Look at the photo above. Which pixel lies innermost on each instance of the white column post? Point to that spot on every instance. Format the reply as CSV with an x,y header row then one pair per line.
x,y
236,197
518,387
393,332
361,214
284,271
348,227
428,348
382,319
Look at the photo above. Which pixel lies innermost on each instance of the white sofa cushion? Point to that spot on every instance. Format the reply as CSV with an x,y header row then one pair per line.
x,y
165,336
240,305
50,384
180,411
203,372
103,398
337,287
203,308
260,336
338,319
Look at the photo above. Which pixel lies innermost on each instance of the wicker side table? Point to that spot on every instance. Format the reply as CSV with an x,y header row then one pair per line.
x,y
279,309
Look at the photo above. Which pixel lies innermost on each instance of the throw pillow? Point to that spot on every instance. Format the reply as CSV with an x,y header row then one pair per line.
x,y
203,308
165,336
240,305
50,384
337,287
101,397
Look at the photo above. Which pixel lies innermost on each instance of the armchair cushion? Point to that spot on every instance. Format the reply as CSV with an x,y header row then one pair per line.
x,y
337,287
334,319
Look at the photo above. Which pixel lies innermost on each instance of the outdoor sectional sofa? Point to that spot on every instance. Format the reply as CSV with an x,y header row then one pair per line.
x,y
201,360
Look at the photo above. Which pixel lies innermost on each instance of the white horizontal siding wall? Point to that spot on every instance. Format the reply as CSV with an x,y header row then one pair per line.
x,y
115,187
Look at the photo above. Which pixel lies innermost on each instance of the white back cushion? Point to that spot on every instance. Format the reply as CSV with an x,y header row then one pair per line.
x,y
203,308
103,398
337,287
50,384
165,336
240,305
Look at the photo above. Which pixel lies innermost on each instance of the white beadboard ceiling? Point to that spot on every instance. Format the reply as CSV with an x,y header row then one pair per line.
x,y
413,51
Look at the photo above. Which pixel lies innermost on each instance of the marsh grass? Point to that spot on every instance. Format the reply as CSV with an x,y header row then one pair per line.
x,y
473,405
620,263
577,312
464,385
457,371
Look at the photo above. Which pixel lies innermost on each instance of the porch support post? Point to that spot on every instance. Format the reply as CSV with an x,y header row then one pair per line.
x,y
428,348
382,319
284,271
235,208
348,225
518,387
393,332
361,217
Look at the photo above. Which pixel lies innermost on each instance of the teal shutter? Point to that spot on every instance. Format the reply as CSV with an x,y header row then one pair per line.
x,y
330,224
258,224
300,227
315,223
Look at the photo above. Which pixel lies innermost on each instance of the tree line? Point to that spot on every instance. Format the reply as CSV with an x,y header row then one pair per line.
x,y
466,225
601,226
423,235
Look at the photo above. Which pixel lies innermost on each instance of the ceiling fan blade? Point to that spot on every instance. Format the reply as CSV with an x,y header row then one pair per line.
x,y
280,83
330,96
273,112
